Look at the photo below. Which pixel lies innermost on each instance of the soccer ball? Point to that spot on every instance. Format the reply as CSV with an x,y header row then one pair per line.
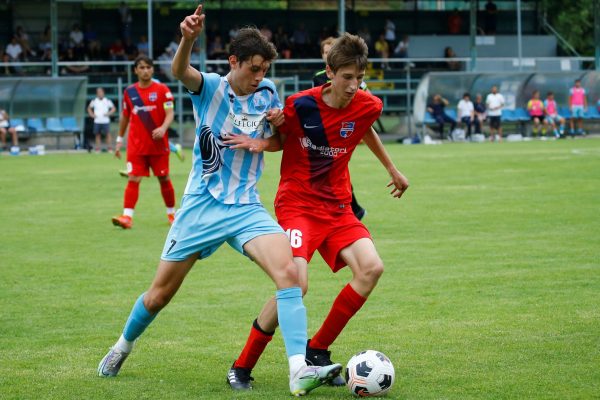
x,y
369,373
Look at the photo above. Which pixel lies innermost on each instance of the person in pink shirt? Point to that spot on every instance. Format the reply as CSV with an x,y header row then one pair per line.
x,y
535,107
578,106
553,118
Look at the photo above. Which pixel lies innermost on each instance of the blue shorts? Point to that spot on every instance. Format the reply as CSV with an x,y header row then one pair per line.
x,y
577,111
553,119
101,129
203,224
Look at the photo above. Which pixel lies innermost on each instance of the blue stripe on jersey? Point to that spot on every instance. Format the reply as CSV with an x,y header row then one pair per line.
x,y
143,115
312,125
229,175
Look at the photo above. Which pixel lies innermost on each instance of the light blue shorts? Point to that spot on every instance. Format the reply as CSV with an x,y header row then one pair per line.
x,y
203,224
577,111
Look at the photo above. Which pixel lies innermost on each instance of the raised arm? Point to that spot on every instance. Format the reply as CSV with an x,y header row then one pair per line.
x,y
190,28
399,181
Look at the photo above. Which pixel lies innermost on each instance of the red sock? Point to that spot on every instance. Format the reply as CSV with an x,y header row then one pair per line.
x,y
132,192
347,303
255,345
168,193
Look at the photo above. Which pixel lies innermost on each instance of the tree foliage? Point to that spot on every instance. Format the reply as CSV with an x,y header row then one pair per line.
x,y
574,20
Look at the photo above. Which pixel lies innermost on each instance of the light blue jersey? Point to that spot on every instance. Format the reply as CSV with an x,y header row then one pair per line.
x,y
229,175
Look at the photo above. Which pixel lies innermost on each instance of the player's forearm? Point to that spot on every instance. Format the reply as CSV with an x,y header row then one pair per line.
x,y
123,126
181,61
374,144
169,117
273,143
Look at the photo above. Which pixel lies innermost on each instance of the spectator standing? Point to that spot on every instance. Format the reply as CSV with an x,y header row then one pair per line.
x,y
466,113
452,64
490,18
126,19
578,107
437,110
454,22
535,107
100,109
6,128
495,103
479,111
147,112
389,30
552,116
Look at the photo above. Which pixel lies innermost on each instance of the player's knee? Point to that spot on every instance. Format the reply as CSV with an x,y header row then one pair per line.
x,y
371,272
156,300
287,276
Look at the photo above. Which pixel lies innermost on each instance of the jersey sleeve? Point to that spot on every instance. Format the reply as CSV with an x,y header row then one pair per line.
x,y
168,98
126,104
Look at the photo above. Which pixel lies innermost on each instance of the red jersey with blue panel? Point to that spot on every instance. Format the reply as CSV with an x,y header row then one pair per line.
x,y
320,141
145,108
314,195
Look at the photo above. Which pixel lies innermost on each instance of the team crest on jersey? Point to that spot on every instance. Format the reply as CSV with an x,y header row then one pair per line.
x,y
347,129
153,96
259,102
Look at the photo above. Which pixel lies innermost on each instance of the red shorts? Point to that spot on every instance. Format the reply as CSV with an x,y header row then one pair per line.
x,y
329,233
139,165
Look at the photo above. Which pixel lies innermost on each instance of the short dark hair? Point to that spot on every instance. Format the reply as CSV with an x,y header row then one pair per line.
x,y
144,58
466,94
250,42
550,93
348,50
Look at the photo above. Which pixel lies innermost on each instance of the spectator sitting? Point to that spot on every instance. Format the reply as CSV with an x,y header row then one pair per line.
x,y
301,41
233,32
131,49
451,63
216,51
92,43
76,40
282,42
437,110
401,50
365,34
143,47
266,32
71,56
6,128
13,53
23,39
479,112
535,107
466,113
117,52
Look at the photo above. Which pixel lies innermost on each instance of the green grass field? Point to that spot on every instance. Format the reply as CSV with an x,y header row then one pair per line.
x,y
491,289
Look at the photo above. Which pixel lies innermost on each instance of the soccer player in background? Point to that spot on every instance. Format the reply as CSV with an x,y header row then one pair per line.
x,y
494,103
148,112
322,127
552,116
578,106
221,202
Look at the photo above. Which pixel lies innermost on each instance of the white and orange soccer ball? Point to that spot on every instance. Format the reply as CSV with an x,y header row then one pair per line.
x,y
369,373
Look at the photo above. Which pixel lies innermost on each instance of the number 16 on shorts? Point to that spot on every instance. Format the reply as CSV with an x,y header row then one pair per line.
x,y
295,237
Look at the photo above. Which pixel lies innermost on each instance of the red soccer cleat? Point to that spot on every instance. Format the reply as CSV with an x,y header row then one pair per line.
x,y
171,218
123,221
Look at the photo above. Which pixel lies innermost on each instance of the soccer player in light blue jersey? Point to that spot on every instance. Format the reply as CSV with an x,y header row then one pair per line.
x,y
221,203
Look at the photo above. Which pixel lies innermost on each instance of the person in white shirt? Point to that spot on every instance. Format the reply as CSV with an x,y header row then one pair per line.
x,y
100,109
466,113
495,102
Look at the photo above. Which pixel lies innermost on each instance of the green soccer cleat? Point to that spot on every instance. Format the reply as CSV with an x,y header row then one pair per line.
x,y
112,362
179,152
310,378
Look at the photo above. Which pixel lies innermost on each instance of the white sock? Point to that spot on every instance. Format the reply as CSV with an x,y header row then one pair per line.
x,y
170,210
124,344
297,362
128,212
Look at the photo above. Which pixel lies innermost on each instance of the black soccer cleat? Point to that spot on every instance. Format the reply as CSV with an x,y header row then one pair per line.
x,y
239,378
320,358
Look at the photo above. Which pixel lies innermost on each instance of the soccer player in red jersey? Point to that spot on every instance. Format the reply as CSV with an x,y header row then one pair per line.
x,y
323,126
148,111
